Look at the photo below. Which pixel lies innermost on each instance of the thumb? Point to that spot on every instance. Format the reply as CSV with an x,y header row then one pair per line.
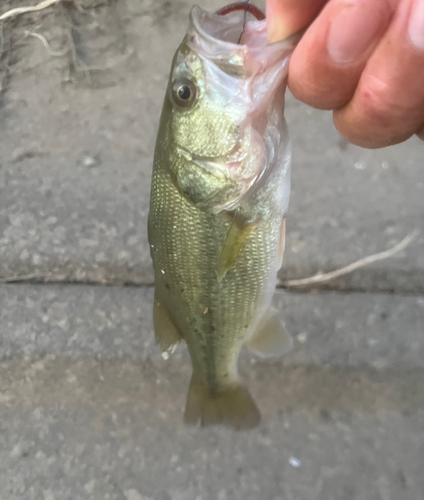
x,y
285,17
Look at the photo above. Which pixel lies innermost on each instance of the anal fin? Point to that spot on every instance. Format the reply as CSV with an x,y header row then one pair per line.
x,y
271,338
166,333
234,244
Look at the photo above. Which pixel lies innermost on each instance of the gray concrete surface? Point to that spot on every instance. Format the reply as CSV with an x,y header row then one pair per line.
x,y
77,149
332,329
88,408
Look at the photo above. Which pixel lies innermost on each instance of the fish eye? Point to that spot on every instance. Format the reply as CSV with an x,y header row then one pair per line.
x,y
184,92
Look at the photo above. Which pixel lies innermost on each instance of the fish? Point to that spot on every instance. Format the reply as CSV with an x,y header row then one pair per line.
x,y
219,195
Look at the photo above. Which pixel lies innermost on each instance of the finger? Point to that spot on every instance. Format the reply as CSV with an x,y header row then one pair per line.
x,y
326,66
285,17
388,105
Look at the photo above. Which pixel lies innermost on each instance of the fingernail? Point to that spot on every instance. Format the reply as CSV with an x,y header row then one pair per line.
x,y
416,24
351,32
277,29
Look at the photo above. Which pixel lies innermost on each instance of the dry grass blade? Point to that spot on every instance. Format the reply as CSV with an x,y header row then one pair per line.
x,y
4,59
46,44
366,261
31,8
17,278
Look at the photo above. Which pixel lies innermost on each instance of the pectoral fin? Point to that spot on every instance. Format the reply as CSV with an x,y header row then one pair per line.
x,y
270,339
166,333
234,244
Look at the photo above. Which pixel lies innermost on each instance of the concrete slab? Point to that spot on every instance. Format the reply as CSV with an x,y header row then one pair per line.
x,y
330,329
78,133
110,431
88,409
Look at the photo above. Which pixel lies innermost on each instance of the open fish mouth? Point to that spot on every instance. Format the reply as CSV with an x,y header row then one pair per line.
x,y
220,32
227,40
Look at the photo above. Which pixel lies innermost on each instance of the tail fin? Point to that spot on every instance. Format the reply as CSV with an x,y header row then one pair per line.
x,y
232,407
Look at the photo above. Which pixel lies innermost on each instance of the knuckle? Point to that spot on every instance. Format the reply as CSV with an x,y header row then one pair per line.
x,y
376,116
381,105
317,91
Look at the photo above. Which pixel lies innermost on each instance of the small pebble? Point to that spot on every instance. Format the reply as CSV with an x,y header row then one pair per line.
x,y
302,337
90,161
134,495
295,462
359,165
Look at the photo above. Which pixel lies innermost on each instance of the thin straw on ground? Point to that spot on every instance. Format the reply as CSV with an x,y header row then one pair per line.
x,y
365,261
31,8
17,278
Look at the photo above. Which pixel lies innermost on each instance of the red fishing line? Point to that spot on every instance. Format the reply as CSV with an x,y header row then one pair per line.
x,y
244,7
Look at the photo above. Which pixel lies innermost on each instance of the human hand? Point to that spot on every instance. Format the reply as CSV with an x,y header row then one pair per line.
x,y
363,59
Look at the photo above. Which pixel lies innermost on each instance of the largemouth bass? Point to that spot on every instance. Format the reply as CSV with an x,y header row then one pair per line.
x,y
220,190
